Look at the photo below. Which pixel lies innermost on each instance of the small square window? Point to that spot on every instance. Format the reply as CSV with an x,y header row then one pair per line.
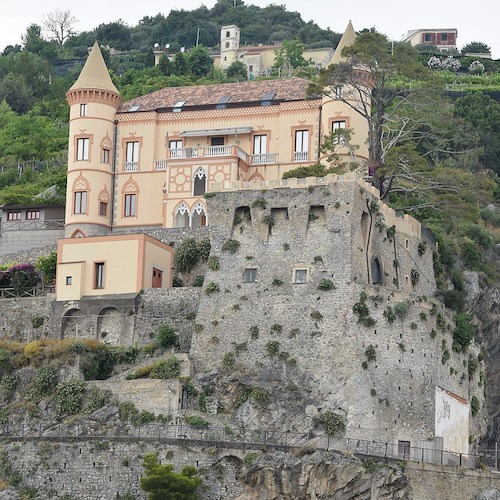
x,y
300,276
250,275
69,280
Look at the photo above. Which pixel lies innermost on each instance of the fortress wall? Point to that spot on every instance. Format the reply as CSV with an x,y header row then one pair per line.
x,y
322,345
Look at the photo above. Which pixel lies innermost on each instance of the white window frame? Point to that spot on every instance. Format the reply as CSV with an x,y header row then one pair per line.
x,y
300,276
301,141
82,148
175,148
83,109
132,152
339,125
260,144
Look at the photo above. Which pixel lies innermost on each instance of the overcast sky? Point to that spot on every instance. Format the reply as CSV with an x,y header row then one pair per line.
x,y
474,21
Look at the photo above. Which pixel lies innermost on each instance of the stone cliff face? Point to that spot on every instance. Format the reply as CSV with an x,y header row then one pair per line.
x,y
323,477
484,303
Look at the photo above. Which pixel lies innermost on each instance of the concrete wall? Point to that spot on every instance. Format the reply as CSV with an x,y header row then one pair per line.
x,y
14,241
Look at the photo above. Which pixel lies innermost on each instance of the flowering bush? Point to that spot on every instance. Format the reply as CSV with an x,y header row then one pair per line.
x,y
22,276
476,68
434,63
451,63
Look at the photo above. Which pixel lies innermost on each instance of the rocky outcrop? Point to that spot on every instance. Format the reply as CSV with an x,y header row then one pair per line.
x,y
484,304
322,476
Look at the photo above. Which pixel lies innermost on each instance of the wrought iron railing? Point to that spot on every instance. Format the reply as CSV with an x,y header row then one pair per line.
x,y
248,438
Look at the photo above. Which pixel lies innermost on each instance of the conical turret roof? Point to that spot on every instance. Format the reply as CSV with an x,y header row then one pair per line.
x,y
347,40
94,74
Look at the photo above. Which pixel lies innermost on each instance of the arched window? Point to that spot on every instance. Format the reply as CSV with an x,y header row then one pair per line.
x,y
199,182
182,216
78,234
227,45
80,193
228,34
103,200
130,193
106,150
376,269
199,216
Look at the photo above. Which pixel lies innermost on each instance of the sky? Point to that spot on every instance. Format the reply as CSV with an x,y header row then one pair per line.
x,y
477,22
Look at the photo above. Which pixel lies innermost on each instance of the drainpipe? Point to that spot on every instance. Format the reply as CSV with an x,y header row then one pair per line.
x,y
113,175
319,130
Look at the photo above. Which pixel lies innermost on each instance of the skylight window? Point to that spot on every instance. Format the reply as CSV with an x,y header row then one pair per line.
x,y
265,100
222,102
178,106
135,107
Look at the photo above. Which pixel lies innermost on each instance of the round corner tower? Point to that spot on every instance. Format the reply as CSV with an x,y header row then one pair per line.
x,y
93,101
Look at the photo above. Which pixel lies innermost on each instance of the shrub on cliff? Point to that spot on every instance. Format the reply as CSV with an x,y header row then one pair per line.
x,y
162,483
189,253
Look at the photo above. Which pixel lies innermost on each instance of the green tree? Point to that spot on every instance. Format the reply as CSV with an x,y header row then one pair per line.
x,y
17,94
410,124
162,483
483,114
181,64
199,61
237,71
476,48
292,50
164,65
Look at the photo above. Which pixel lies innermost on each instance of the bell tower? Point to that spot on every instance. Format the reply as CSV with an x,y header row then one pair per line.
x,y
229,45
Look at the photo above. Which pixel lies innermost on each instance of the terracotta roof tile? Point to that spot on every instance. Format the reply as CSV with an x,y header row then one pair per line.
x,y
293,89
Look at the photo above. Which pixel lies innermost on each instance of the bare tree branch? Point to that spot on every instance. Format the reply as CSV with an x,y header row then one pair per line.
x,y
59,25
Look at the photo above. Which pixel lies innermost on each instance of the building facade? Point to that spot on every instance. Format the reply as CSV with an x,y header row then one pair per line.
x,y
442,39
148,162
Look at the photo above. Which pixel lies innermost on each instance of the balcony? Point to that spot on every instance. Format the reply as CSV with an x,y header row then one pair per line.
x,y
160,164
262,159
131,166
207,152
301,156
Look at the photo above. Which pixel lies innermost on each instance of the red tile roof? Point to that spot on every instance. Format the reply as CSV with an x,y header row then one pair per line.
x,y
293,89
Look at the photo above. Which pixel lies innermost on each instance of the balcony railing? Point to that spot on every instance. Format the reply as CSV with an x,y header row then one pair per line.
x,y
160,164
31,225
300,156
262,159
207,152
180,153
219,151
131,166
